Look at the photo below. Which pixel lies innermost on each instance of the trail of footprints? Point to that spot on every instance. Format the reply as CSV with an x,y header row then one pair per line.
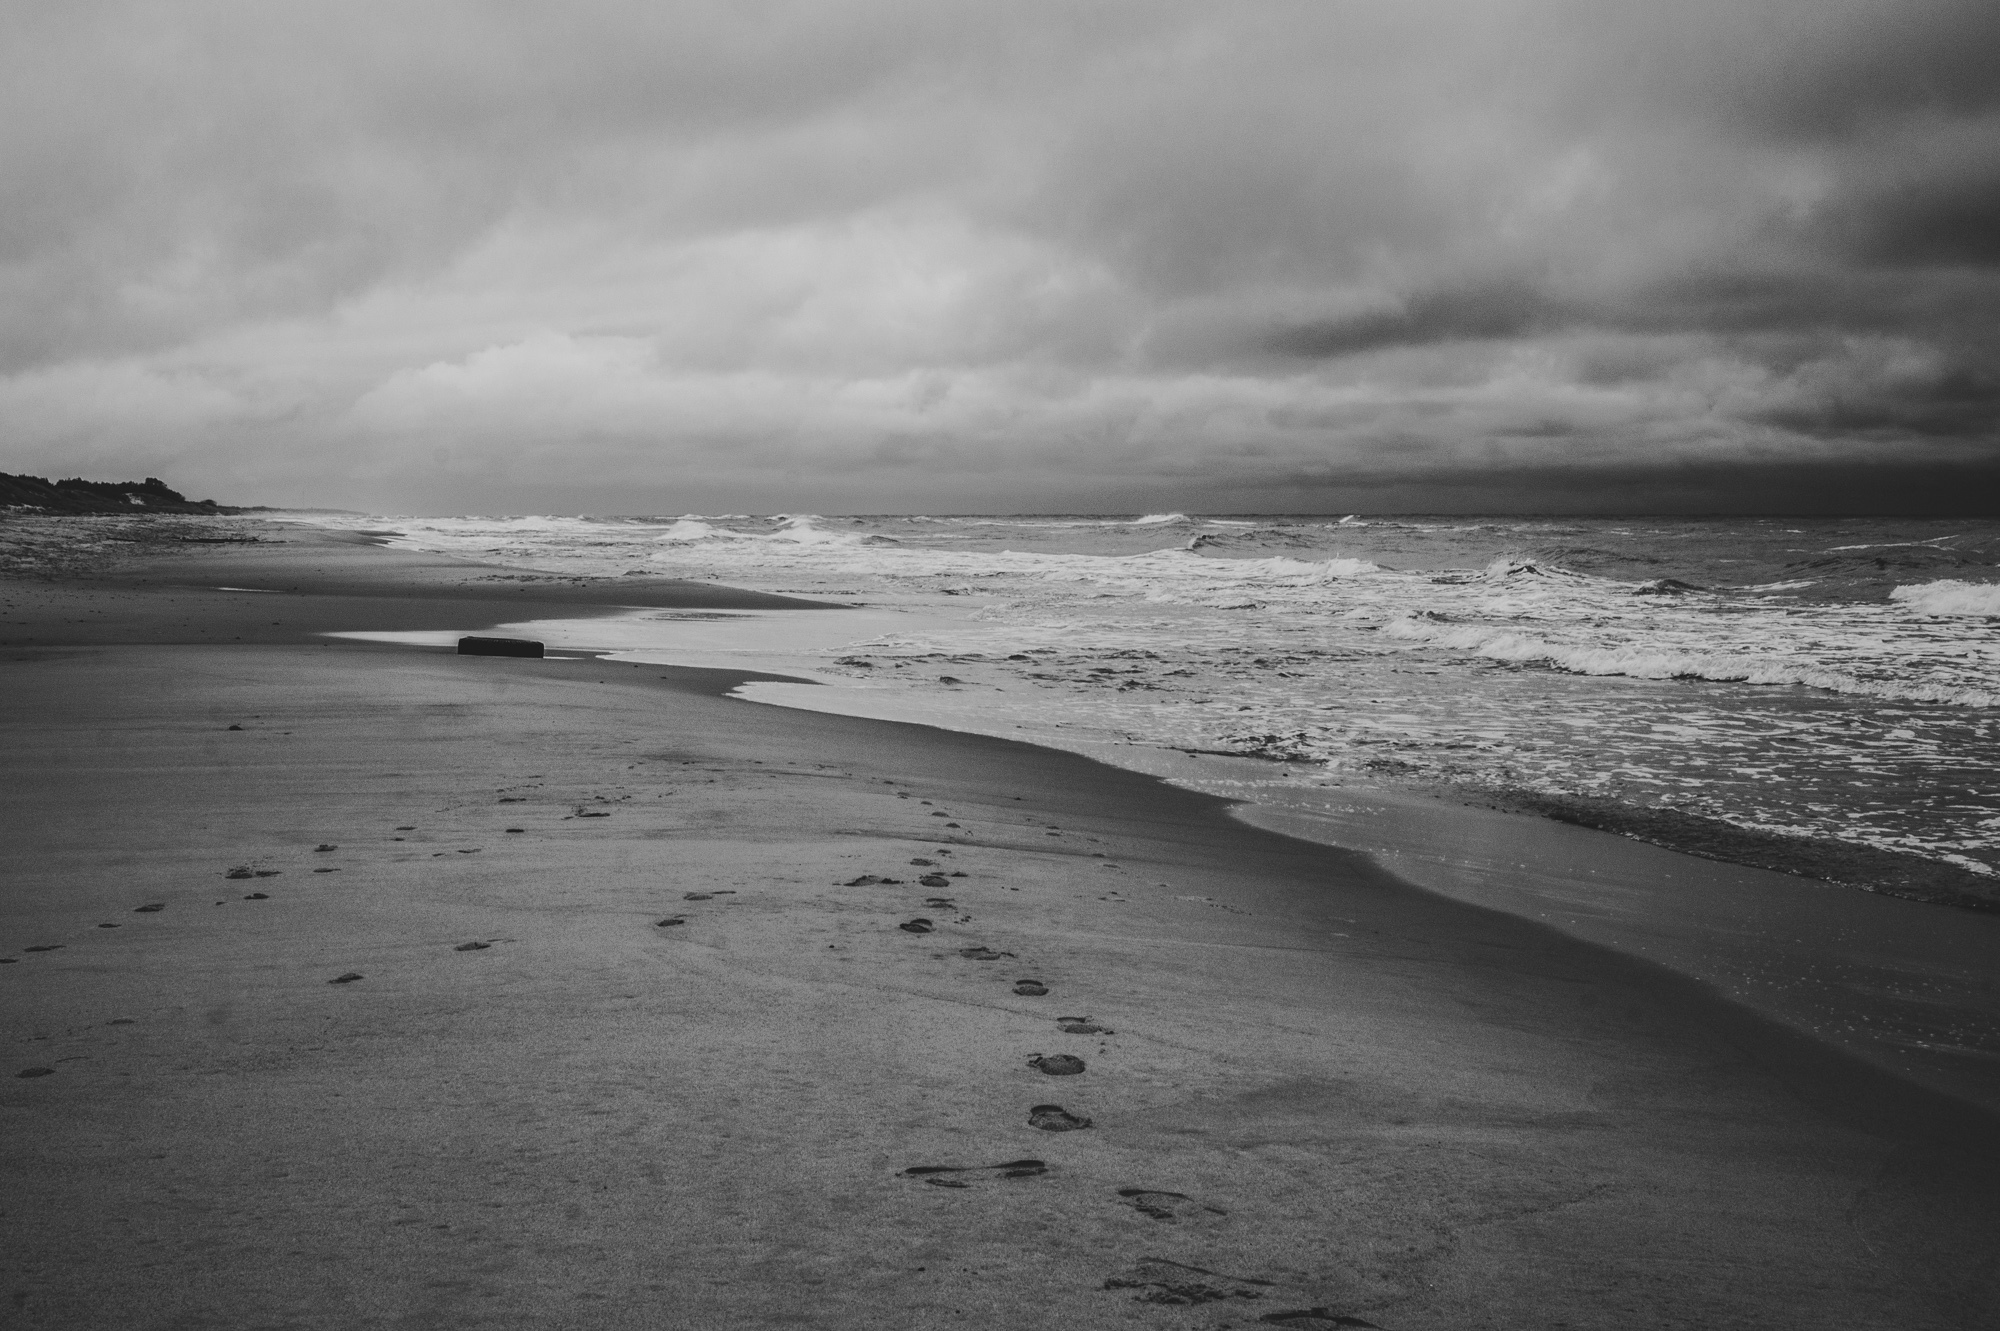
x,y
1153,1280
239,873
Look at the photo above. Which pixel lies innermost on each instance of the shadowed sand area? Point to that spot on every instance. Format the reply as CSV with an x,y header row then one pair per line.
x,y
1307,1084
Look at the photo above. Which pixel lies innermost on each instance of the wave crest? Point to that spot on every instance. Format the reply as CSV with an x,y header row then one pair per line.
x,y
1948,596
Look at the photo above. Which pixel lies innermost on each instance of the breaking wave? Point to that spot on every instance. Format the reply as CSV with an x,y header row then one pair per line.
x,y
1948,596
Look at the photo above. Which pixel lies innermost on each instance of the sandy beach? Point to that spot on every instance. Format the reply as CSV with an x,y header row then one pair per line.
x,y
352,985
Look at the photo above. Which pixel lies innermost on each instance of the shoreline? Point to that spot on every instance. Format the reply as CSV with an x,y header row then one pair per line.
x,y
1382,1101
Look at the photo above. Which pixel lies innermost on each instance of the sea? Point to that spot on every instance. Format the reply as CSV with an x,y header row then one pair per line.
x,y
1814,696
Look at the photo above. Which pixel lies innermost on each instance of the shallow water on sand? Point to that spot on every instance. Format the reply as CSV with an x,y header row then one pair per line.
x,y
1828,679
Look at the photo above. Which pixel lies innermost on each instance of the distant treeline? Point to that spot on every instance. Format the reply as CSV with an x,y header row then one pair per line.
x,y
77,495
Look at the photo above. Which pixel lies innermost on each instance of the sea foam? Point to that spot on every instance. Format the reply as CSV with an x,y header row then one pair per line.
x,y
1951,597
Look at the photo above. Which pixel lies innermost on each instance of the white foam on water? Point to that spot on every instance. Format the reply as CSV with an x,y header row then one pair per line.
x,y
1948,596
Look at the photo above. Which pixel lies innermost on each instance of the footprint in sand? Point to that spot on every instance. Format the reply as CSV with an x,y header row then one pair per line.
x,y
670,921
1082,1026
348,978
1162,1281
1171,1207
934,880
1313,1317
324,846
982,954
241,871
964,1176
1031,988
1054,1118
1057,1065
107,926
920,925
924,863
258,896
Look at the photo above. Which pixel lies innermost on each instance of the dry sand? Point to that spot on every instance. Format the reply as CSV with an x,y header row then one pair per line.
x,y
1329,1090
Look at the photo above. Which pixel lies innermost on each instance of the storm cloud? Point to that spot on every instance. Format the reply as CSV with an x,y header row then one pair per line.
x,y
892,254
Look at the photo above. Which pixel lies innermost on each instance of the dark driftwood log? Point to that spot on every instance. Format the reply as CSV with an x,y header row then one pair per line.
x,y
498,647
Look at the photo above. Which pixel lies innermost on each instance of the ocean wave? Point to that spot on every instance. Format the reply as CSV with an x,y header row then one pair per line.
x,y
1948,596
1648,662
1159,519
694,529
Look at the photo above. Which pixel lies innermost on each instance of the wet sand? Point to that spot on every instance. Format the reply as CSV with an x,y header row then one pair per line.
x,y
1318,1087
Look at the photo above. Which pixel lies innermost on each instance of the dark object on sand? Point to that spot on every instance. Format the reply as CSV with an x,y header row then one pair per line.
x,y
472,947
348,978
1057,1065
920,925
326,845
43,947
1031,988
258,896
1311,1317
107,926
921,860
241,871
670,920
1054,1118
697,896
36,1072
236,727
593,813
517,829
149,908
934,880
499,647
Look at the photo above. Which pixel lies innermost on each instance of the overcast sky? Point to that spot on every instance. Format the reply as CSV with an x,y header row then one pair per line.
x,y
890,255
